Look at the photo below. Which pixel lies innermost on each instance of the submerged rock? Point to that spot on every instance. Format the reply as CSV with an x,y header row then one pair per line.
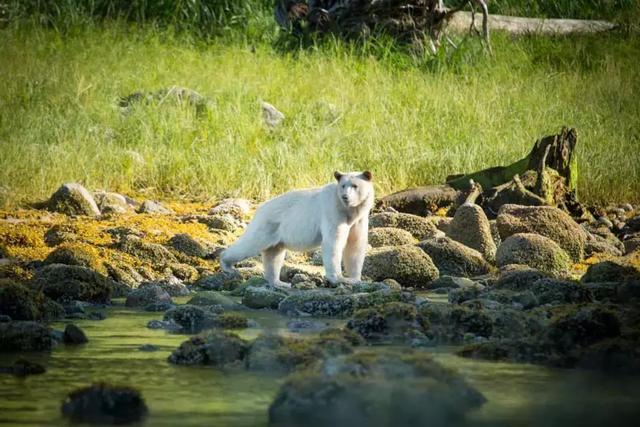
x,y
104,404
23,368
375,390
151,294
534,251
73,199
74,335
408,265
211,348
25,336
419,227
189,318
455,259
546,221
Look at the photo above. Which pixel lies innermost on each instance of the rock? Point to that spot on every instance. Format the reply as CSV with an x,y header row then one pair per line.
x,y
73,199
320,303
633,225
536,251
237,208
603,220
212,298
59,234
594,247
151,294
419,227
452,282
112,203
70,282
25,336
224,222
582,326
611,271
375,390
211,348
23,368
190,318
303,325
171,285
453,258
387,236
612,355
546,221
232,321
21,303
262,297
75,254
516,277
408,265
390,322
153,207
460,295
74,335
270,114
631,244
219,281
554,291
159,306
450,323
470,226
149,252
188,245
104,404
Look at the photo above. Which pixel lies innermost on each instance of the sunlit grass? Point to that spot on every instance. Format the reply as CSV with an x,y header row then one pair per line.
x,y
411,120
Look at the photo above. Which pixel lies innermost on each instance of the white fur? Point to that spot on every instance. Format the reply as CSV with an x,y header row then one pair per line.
x,y
335,217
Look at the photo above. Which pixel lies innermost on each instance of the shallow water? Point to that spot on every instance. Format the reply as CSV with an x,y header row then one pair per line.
x,y
517,394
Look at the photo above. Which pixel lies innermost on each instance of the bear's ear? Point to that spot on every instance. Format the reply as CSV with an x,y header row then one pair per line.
x,y
337,175
367,175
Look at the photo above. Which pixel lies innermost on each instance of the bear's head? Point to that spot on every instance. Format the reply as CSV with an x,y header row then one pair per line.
x,y
354,188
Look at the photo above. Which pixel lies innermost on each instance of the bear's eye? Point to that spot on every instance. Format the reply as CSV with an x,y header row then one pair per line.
x,y
344,185
355,187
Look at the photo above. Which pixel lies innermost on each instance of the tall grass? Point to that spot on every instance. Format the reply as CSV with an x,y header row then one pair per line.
x,y
411,119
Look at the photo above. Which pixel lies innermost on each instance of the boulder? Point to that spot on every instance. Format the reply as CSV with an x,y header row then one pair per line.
x,y
546,221
262,297
213,298
408,265
421,228
319,303
188,318
237,208
387,236
112,203
80,254
153,207
611,271
391,322
535,251
73,199
455,259
104,404
149,252
581,326
71,282
24,336
555,291
22,303
374,389
74,335
516,277
143,296
232,321
173,286
470,226
211,348
187,245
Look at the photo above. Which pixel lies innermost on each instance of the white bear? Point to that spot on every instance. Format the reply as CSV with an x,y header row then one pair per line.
x,y
334,217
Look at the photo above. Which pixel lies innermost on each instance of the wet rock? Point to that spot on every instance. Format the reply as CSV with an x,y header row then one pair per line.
x,y
374,390
219,281
25,336
148,348
21,303
237,208
535,251
211,348
396,321
555,291
173,286
23,368
387,236
581,326
150,252
611,271
212,298
546,221
408,265
73,199
455,259
263,297
153,207
321,303
470,226
112,203
419,227
151,294
452,282
104,404
70,282
190,318
232,321
74,335
187,245
75,254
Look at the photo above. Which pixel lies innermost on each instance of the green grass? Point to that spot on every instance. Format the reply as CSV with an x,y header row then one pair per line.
x,y
412,120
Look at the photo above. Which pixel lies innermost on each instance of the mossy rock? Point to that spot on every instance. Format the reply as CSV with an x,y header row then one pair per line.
x,y
209,298
190,318
151,294
395,321
470,226
112,203
368,388
387,236
419,227
516,277
320,303
573,327
219,281
148,252
262,297
104,404
214,347
232,321
546,221
187,245
22,303
408,265
535,251
453,258
611,271
70,282
73,199
555,291
25,336
80,254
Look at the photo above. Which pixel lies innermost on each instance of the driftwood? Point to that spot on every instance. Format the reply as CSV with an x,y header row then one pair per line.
x,y
406,20
547,176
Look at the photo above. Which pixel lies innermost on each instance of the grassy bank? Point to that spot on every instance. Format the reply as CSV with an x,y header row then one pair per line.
x,y
412,120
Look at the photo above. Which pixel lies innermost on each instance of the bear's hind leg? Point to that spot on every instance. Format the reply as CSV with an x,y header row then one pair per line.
x,y
272,260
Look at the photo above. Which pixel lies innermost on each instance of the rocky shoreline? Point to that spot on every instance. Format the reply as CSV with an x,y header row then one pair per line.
x,y
532,286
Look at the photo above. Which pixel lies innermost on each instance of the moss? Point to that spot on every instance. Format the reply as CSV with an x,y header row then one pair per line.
x,y
211,348
69,282
387,236
21,303
81,254
408,265
232,321
419,227
15,272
